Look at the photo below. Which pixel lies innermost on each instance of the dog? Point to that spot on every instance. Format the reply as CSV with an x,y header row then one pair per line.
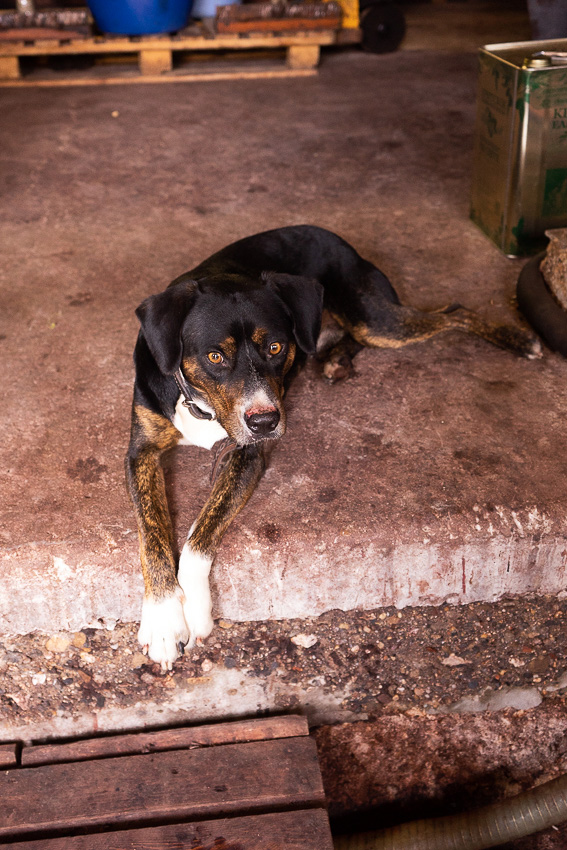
x,y
214,357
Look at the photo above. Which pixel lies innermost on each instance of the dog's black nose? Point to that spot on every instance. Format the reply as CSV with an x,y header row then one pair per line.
x,y
262,423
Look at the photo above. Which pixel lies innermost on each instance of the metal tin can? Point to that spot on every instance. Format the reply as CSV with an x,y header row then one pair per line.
x,y
520,155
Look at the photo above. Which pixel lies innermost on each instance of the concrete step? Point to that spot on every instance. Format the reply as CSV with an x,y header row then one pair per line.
x,y
436,474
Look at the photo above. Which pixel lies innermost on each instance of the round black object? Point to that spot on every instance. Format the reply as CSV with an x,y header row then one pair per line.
x,y
540,308
383,26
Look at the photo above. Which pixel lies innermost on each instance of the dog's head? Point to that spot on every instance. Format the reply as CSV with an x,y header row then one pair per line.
x,y
235,339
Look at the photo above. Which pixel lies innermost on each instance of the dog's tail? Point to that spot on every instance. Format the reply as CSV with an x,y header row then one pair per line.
x,y
509,337
398,325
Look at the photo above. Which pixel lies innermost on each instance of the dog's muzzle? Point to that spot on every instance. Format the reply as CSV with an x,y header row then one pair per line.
x,y
262,423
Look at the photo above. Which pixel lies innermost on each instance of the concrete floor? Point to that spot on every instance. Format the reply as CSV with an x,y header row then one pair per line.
x,y
435,475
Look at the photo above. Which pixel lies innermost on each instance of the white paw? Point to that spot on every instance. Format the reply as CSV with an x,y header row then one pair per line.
x,y
193,577
162,628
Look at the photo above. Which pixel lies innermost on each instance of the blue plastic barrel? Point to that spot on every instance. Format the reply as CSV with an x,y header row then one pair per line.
x,y
140,17
208,8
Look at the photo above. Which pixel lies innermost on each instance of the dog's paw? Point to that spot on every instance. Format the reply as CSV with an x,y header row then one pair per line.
x,y
338,368
534,349
163,628
193,577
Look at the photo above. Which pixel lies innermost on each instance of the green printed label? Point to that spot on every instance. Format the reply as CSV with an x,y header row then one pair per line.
x,y
555,193
559,121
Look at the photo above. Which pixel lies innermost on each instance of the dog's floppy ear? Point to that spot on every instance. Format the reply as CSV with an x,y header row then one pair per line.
x,y
303,297
162,317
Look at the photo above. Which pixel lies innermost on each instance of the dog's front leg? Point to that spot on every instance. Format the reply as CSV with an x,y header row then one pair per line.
x,y
231,491
163,624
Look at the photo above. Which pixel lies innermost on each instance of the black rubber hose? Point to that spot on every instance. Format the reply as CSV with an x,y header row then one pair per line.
x,y
490,826
383,26
540,308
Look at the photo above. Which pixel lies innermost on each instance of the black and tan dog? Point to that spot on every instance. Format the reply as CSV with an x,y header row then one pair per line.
x,y
214,357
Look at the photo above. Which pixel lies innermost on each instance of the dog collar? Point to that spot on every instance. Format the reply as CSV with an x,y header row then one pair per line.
x,y
188,399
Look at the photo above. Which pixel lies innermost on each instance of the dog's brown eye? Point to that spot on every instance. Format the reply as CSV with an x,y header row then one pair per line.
x,y
275,347
215,357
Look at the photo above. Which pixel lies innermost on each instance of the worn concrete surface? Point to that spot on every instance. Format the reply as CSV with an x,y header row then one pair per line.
x,y
436,474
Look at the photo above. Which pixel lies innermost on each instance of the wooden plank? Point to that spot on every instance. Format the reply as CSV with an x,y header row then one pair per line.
x,y
32,34
155,61
8,755
303,56
279,25
125,45
9,68
300,830
170,787
199,77
240,731
48,45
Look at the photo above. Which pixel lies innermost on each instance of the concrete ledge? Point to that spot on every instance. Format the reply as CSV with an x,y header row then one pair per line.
x,y
436,474
67,591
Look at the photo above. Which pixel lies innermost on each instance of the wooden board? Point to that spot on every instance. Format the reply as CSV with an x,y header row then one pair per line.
x,y
240,731
299,830
25,34
174,786
154,56
251,785
120,44
8,755
279,25
124,78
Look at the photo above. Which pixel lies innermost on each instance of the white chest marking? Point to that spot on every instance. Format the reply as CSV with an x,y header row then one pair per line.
x,y
196,432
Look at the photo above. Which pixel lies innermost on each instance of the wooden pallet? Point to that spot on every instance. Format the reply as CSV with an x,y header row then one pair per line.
x,y
155,57
251,785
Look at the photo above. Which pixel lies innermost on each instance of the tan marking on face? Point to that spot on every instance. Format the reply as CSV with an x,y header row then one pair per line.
x,y
229,402
225,401
228,347
276,387
259,336
289,358
195,374
222,399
